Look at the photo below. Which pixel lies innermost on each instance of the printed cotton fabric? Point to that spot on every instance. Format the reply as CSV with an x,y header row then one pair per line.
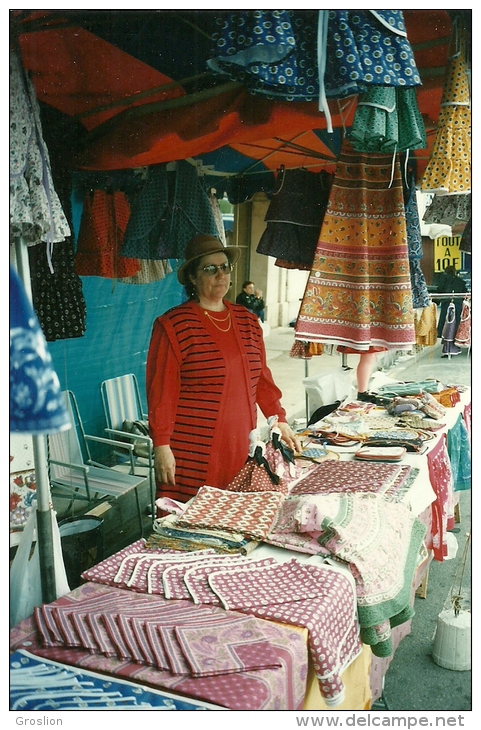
x,y
36,402
251,513
359,290
449,168
323,600
280,688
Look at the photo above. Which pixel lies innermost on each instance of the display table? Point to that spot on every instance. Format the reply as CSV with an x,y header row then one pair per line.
x,y
297,624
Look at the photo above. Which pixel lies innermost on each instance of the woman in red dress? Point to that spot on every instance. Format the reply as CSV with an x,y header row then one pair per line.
x,y
206,374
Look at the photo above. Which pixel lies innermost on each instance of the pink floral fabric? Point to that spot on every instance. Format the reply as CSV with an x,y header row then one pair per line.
x,y
252,513
196,578
129,567
234,648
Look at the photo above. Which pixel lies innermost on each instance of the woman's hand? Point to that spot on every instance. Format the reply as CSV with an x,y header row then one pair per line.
x,y
164,465
289,437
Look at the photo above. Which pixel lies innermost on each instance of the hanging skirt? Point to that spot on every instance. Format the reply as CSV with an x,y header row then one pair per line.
x,y
359,292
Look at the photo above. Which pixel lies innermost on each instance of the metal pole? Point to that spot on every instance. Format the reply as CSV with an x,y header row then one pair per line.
x,y
44,516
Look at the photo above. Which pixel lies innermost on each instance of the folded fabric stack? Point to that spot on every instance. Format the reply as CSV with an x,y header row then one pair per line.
x,y
316,597
220,673
182,639
376,535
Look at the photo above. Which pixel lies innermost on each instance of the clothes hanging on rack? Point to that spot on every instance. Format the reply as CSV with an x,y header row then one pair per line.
x,y
36,214
387,119
150,271
359,292
448,209
415,244
449,168
463,333
295,215
425,326
449,332
451,283
167,212
57,295
104,220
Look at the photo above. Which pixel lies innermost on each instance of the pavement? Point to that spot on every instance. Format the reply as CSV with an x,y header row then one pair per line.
x,y
414,682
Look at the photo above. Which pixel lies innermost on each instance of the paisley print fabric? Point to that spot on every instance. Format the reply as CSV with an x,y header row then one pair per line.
x,y
251,513
359,291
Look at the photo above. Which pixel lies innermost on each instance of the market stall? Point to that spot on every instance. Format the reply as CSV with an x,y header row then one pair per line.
x,y
126,173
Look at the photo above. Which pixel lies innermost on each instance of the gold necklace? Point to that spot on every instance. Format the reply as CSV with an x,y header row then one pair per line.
x,y
215,321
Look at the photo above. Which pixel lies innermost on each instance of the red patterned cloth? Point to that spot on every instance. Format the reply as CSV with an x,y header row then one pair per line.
x,y
254,478
347,476
174,581
128,568
441,478
317,597
252,513
282,688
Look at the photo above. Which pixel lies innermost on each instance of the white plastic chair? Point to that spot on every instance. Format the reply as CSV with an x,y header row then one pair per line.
x,y
121,401
74,471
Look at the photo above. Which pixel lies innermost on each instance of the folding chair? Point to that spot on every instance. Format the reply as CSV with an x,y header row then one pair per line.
x,y
75,472
121,401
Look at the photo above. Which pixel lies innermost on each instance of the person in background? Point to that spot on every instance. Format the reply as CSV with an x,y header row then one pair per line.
x,y
451,283
206,375
251,298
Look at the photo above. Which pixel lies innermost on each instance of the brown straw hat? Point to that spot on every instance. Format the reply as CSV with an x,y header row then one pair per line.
x,y
202,245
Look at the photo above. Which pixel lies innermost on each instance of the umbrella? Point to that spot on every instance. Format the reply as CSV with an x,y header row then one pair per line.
x,y
152,104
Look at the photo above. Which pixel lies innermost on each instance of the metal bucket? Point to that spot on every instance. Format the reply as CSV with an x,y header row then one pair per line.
x,y
82,545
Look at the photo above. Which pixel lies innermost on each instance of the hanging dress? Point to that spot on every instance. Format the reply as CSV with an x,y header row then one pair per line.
x,y
358,292
449,168
104,219
57,295
387,119
419,287
463,333
367,48
449,332
36,214
294,217
448,209
272,52
172,207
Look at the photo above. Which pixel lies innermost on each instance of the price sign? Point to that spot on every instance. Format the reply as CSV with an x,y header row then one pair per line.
x,y
447,253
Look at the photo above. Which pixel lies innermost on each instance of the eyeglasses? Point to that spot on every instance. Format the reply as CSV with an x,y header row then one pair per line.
x,y
212,269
